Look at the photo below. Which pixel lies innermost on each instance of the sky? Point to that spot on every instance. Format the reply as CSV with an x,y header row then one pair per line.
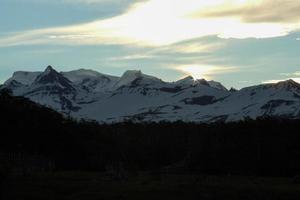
x,y
237,42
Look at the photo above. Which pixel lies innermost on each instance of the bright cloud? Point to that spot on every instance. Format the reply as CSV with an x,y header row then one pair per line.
x,y
291,74
195,47
164,22
78,1
205,71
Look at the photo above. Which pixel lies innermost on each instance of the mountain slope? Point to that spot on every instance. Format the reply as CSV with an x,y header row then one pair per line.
x,y
136,96
90,79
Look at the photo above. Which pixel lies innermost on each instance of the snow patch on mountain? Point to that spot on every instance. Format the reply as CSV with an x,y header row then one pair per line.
x,y
132,77
90,79
25,78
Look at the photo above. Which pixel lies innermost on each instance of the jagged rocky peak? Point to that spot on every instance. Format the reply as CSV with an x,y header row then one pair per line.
x,y
51,76
49,69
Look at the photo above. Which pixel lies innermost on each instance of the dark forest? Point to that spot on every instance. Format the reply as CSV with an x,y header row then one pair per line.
x,y
268,147
37,139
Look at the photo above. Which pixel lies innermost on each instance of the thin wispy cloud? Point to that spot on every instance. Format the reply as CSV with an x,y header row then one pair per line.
x,y
116,2
194,47
182,50
279,80
293,76
76,1
91,1
257,11
297,73
132,57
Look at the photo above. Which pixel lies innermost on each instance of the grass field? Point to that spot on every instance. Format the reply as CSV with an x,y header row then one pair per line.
x,y
98,186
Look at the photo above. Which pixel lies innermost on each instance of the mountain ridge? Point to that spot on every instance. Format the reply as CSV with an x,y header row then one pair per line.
x,y
140,97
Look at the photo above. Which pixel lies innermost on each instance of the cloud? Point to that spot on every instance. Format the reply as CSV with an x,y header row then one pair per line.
x,y
102,1
297,73
294,76
178,51
166,22
92,2
194,47
257,11
279,80
132,57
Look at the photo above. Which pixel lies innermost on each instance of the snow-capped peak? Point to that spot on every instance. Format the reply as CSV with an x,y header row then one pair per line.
x,y
91,79
78,76
131,76
187,81
25,78
216,85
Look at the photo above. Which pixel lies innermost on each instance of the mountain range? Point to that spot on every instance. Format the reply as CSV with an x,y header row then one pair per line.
x,y
90,95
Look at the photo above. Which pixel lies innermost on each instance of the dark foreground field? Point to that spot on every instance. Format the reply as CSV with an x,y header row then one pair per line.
x,y
43,155
97,186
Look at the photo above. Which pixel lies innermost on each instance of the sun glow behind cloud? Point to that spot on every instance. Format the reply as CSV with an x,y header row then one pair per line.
x,y
162,22
204,71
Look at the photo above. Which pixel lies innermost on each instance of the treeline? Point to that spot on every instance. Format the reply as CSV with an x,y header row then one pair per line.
x,y
265,146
